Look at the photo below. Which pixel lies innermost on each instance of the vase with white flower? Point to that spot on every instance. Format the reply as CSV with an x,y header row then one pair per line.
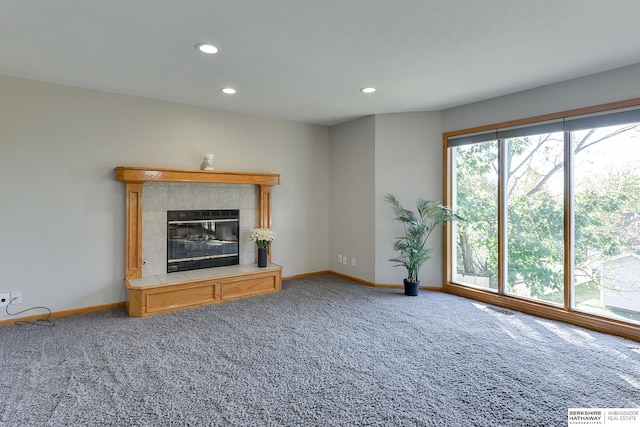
x,y
263,238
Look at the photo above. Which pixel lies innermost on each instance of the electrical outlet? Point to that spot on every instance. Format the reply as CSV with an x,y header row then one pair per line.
x,y
4,299
16,297
344,260
353,262
339,259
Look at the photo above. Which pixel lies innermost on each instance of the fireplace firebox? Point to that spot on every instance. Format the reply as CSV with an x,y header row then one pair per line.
x,y
202,239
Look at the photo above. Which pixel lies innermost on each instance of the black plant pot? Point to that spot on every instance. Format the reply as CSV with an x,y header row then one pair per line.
x,y
262,257
411,288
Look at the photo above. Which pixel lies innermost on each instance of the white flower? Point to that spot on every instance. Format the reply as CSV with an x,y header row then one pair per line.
x,y
262,236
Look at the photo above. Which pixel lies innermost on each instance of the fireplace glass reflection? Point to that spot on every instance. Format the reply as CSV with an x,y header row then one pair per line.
x,y
202,239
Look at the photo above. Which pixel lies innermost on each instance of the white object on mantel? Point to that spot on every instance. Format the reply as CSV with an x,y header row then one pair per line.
x,y
207,163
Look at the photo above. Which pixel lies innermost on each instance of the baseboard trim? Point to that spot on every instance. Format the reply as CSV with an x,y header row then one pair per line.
x,y
354,279
396,286
382,285
301,276
64,313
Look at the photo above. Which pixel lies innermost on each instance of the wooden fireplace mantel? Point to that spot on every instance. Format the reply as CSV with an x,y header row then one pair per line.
x,y
135,177
139,175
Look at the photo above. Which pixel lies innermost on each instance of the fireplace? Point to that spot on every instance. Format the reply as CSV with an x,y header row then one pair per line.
x,y
202,239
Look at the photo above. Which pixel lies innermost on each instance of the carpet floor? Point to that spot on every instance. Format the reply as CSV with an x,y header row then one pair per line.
x,y
324,351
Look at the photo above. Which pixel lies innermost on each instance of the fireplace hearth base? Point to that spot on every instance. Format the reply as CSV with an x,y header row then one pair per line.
x,y
165,293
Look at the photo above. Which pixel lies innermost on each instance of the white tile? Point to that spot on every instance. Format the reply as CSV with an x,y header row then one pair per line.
x,y
179,198
160,197
249,197
248,219
173,277
206,197
154,196
153,268
154,223
146,281
229,198
154,248
248,257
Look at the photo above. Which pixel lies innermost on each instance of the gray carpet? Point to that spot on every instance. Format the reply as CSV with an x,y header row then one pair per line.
x,y
323,352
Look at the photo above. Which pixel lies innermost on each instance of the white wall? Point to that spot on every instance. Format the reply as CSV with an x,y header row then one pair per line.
x,y
62,212
398,153
410,144
408,165
352,220
601,88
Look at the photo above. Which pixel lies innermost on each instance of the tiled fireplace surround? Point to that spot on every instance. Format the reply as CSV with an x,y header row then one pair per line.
x,y
159,197
179,189
149,194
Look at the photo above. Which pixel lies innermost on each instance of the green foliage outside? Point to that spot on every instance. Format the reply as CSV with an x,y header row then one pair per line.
x,y
535,211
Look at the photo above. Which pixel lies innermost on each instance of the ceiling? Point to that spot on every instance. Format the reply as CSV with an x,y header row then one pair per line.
x,y
306,60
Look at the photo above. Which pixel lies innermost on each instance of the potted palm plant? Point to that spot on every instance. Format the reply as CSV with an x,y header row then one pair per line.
x,y
412,245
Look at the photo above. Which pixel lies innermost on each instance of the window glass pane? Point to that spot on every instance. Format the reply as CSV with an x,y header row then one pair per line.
x,y
535,225
607,221
475,194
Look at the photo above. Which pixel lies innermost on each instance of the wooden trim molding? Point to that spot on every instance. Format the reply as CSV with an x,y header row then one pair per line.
x,y
65,313
301,276
381,285
133,230
265,206
545,117
355,279
140,175
265,212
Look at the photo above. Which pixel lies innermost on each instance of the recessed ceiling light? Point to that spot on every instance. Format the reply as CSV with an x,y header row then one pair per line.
x,y
229,90
207,48
368,89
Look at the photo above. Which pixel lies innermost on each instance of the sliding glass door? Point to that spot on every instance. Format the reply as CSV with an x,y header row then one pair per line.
x,y
607,221
551,213
476,183
535,201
